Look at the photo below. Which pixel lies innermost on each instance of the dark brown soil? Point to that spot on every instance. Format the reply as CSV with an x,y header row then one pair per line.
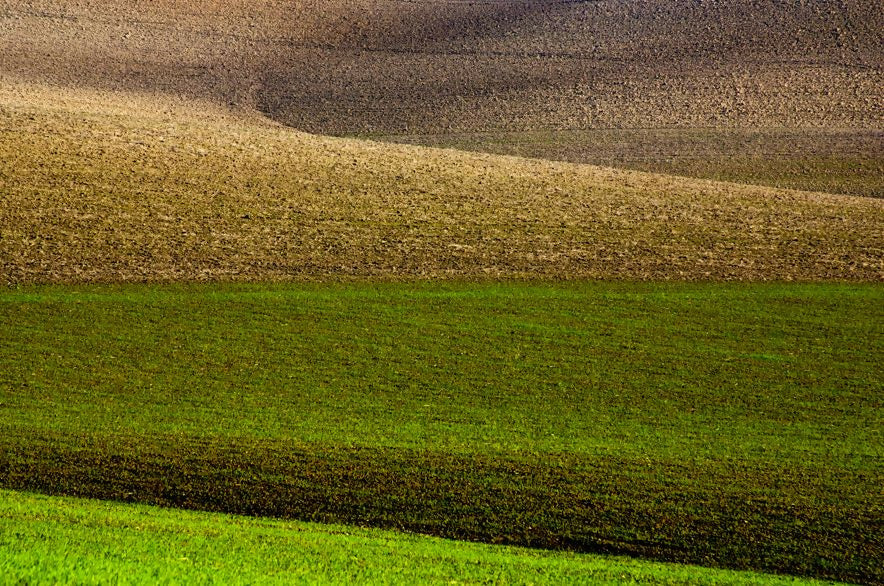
x,y
403,66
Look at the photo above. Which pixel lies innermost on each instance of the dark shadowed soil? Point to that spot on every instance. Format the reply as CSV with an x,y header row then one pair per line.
x,y
425,70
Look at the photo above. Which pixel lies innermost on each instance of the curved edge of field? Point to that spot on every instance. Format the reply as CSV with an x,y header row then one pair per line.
x,y
69,540
108,187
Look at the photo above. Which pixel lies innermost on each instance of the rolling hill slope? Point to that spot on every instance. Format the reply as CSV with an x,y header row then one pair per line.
x,y
391,65
490,75
294,140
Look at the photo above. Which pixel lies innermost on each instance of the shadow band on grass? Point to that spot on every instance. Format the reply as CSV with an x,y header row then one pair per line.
x,y
725,514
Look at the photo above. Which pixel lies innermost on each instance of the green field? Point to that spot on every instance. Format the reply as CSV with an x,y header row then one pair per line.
x,y
56,539
725,425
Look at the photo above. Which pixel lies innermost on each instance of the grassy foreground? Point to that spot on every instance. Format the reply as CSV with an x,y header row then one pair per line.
x,y
65,540
732,426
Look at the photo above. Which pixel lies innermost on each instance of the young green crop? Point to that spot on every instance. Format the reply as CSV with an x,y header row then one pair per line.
x,y
63,540
724,425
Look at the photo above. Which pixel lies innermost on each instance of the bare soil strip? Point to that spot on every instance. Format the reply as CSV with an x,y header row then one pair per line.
x,y
108,187
846,161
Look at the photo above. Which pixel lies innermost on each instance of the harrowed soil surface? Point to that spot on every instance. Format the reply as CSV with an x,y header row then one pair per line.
x,y
833,161
120,187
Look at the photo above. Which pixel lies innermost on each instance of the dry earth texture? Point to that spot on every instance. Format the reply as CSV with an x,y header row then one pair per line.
x,y
112,186
145,141
787,93
393,65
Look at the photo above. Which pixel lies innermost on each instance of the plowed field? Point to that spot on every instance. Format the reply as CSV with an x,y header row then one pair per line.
x,y
109,187
430,72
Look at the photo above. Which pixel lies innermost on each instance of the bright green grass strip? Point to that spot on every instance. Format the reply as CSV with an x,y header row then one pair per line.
x,y
65,540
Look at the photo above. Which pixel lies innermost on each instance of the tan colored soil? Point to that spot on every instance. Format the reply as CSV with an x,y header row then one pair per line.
x,y
120,187
650,74
139,140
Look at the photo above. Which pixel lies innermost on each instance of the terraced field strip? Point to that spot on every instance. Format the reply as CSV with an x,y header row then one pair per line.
x,y
112,187
723,425
40,536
